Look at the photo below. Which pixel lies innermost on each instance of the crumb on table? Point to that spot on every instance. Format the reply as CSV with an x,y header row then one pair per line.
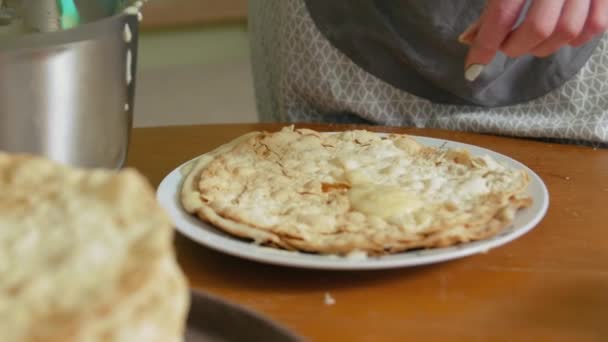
x,y
329,300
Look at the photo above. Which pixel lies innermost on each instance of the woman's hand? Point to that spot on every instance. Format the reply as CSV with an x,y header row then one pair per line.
x,y
548,26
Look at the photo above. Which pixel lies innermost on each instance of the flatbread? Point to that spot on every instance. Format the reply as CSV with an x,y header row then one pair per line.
x,y
85,256
351,191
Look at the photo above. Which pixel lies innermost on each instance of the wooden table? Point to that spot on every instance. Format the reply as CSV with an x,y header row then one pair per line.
x,y
550,284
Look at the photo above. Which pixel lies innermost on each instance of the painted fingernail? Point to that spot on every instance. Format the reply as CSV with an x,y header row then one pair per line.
x,y
473,72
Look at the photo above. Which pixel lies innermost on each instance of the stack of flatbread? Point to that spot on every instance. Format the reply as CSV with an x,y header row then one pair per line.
x,y
351,192
85,256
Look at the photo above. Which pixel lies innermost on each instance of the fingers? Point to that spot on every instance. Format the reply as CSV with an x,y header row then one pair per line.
x,y
496,23
569,27
548,26
469,35
539,24
596,22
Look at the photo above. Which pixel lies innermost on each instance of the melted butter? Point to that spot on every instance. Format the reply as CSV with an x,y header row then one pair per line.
x,y
383,201
474,186
356,177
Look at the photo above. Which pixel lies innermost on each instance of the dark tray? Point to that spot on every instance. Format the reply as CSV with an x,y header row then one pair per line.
x,y
212,319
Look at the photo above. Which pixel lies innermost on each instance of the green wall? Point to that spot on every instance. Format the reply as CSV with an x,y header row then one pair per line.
x,y
198,45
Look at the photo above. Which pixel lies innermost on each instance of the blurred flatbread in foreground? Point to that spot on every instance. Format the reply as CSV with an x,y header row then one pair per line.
x,y
85,256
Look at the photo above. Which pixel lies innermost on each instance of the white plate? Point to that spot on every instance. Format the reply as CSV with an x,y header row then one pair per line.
x,y
209,236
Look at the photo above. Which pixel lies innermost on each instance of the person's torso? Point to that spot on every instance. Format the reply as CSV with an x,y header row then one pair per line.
x,y
413,45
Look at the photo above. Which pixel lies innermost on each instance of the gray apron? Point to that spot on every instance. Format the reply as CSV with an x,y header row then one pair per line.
x,y
398,62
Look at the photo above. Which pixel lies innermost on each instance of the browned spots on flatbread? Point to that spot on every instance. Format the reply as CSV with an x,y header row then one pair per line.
x,y
327,187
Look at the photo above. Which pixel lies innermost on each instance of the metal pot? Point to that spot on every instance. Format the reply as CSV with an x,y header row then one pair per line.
x,y
67,80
